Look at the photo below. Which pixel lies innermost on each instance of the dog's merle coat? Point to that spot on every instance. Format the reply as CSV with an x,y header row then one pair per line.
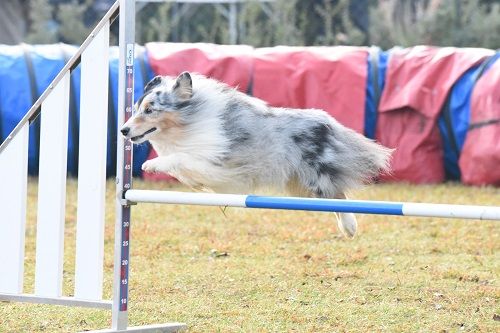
x,y
210,136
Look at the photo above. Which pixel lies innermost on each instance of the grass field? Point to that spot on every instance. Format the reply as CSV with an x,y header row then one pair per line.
x,y
283,271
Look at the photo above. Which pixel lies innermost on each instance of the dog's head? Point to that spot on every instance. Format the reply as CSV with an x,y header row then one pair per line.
x,y
157,110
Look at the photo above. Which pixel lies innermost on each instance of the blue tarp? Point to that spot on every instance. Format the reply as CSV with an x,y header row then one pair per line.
x,y
377,66
15,91
26,71
454,119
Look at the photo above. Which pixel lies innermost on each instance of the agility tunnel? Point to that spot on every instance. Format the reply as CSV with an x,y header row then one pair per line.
x,y
27,70
423,101
419,100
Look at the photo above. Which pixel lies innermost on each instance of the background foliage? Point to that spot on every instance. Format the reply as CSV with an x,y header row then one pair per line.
x,y
465,23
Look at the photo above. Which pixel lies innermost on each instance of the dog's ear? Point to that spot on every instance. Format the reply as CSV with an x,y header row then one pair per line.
x,y
183,87
153,83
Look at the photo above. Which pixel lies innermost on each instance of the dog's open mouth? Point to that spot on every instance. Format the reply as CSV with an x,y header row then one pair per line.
x,y
138,137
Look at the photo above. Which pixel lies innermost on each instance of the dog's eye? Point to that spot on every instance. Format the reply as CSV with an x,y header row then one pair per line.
x,y
148,111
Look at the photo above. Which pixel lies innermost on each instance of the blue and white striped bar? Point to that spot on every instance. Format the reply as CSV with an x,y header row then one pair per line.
x,y
322,205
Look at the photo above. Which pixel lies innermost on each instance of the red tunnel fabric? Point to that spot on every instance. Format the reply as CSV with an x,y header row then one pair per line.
x,y
328,78
231,64
417,83
480,158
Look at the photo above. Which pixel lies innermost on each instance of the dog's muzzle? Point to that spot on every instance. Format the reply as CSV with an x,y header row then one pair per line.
x,y
138,137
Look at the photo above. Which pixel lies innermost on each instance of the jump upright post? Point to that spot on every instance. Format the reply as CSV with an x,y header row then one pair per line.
x,y
53,107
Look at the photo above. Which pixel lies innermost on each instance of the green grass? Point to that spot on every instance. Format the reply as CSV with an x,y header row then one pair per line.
x,y
289,271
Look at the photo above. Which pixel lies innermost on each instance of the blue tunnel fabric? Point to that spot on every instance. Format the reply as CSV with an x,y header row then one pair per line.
x,y
454,119
377,67
12,74
34,136
15,94
19,89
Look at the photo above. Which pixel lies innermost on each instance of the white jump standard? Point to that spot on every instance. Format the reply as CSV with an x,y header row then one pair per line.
x,y
321,205
53,108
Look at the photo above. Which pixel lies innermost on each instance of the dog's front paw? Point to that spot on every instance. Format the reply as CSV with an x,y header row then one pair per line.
x,y
150,166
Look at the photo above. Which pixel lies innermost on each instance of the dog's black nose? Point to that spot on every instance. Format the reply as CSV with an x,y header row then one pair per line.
x,y
125,130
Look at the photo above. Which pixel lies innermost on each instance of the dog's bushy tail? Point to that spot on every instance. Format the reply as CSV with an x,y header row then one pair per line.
x,y
371,160
355,160
365,162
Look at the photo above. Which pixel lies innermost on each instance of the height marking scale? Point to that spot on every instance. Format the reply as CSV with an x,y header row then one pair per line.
x,y
127,181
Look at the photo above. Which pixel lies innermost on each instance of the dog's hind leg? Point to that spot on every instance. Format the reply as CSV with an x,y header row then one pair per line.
x,y
346,221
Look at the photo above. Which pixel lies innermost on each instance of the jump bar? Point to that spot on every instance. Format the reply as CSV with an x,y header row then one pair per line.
x,y
311,204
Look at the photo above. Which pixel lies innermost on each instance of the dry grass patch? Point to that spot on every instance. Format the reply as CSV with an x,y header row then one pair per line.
x,y
278,271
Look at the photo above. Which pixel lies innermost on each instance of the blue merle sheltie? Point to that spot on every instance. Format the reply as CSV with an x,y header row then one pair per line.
x,y
212,137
